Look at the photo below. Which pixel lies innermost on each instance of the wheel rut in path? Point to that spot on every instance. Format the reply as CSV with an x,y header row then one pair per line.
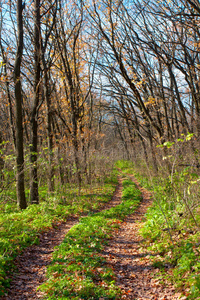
x,y
33,261
32,264
134,271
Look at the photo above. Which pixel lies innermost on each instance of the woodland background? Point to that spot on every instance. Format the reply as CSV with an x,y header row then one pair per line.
x,y
83,81
84,84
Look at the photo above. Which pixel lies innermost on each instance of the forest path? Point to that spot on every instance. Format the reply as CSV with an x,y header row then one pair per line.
x,y
32,264
134,270
136,275
33,261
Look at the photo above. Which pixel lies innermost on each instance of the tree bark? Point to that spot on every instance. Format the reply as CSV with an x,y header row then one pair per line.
x,y
34,195
21,199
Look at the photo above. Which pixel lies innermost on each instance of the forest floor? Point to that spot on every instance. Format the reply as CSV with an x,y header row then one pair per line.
x,y
32,264
136,275
130,261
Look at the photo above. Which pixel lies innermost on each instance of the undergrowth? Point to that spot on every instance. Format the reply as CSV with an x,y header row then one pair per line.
x,y
19,229
78,270
170,232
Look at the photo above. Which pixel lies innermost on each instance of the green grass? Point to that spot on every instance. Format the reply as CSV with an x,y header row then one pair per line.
x,y
126,166
78,270
19,229
178,260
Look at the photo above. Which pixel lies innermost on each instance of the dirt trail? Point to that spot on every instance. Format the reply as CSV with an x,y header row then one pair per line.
x,y
32,263
134,270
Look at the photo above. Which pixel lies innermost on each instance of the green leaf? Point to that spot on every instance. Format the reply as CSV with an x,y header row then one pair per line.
x,y
189,136
168,144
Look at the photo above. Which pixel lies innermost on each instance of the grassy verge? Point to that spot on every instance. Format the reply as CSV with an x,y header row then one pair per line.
x,y
19,229
78,271
174,240
170,233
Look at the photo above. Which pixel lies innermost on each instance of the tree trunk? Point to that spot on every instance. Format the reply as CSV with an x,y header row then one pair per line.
x,y
1,162
50,142
51,170
10,111
21,199
34,195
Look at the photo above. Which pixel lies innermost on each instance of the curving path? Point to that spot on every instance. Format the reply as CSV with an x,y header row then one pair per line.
x,y
132,266
32,263
134,271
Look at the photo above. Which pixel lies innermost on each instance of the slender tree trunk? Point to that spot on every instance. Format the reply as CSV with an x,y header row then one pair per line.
x,y
123,139
50,142
10,112
155,166
144,149
51,170
164,102
1,163
60,164
182,110
21,199
34,195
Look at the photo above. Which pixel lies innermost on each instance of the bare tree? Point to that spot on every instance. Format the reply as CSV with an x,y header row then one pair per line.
x,y
34,196
18,99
